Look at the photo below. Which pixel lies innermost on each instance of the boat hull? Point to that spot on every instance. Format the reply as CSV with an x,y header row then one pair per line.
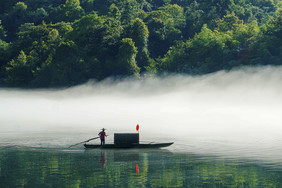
x,y
113,146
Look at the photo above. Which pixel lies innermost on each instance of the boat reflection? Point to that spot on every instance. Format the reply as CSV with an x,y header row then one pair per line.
x,y
29,167
125,156
135,158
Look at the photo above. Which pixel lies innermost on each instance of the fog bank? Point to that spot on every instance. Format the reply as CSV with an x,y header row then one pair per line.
x,y
214,112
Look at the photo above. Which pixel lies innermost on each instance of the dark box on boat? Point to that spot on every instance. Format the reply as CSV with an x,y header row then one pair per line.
x,y
126,138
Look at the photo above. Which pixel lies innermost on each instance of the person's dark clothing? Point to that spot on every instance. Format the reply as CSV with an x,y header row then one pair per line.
x,y
102,135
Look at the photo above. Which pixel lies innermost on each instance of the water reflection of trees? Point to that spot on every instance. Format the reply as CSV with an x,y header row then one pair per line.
x,y
157,168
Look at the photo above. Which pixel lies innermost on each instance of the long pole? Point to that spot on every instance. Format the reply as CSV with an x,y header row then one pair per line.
x,y
85,141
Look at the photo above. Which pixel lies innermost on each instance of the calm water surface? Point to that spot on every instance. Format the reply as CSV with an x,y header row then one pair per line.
x,y
22,166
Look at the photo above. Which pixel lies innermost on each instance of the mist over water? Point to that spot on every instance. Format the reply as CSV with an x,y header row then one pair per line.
x,y
236,113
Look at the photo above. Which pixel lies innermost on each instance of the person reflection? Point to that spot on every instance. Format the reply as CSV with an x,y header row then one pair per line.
x,y
103,159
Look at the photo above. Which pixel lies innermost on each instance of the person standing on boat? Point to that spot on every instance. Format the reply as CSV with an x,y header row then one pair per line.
x,y
102,135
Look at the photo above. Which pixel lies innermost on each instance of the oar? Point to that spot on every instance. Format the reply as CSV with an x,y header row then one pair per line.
x,y
85,141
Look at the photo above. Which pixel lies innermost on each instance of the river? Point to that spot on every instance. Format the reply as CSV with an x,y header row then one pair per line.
x,y
226,129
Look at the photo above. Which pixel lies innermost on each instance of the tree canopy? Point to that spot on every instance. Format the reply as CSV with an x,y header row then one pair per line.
x,y
55,43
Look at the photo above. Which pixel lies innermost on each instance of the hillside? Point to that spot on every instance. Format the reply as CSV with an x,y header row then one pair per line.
x,y
58,43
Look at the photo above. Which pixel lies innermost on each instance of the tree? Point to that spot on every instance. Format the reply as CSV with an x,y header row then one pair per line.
x,y
37,16
87,30
114,12
7,5
246,34
129,9
62,27
67,12
158,3
207,12
65,45
126,64
267,49
176,13
2,32
13,19
139,33
164,27
207,52
194,19
4,54
229,22
72,10
40,44
19,72
67,67
97,36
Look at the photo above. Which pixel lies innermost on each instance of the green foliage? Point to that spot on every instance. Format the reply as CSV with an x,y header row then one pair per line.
x,y
19,71
66,67
194,19
165,27
62,27
229,22
175,14
207,52
20,6
4,54
7,5
139,33
206,12
40,43
67,12
16,17
72,10
2,31
129,9
41,40
268,48
126,59
38,15
250,10
96,35
87,28
51,43
246,34
114,12
158,3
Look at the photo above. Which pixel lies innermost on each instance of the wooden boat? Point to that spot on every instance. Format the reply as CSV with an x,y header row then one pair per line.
x,y
127,146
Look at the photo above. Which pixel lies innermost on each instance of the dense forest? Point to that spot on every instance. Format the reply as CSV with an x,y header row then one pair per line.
x,y
58,43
